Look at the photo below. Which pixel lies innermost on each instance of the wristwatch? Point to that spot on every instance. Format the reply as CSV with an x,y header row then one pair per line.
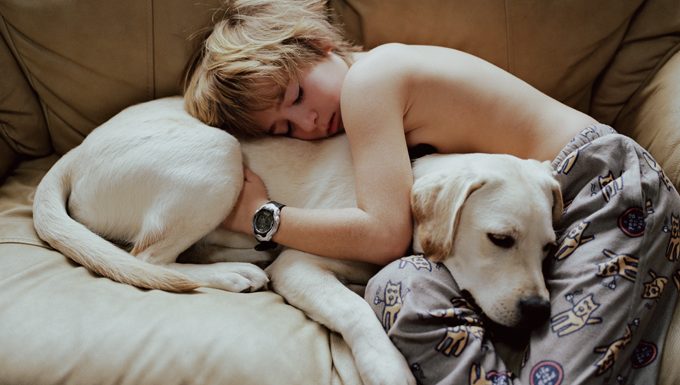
x,y
265,224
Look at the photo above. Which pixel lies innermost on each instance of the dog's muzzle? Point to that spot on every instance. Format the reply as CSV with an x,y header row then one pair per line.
x,y
535,311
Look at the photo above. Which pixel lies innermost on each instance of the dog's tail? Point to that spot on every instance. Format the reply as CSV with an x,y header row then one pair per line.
x,y
57,228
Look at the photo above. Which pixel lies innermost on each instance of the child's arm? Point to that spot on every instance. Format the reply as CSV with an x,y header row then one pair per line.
x,y
379,229
348,233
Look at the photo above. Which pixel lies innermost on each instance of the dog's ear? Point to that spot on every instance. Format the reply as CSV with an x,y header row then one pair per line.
x,y
436,202
558,203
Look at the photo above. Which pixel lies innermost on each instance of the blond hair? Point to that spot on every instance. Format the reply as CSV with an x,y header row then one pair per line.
x,y
250,56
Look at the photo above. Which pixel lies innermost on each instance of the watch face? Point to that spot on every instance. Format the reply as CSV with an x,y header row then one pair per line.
x,y
264,221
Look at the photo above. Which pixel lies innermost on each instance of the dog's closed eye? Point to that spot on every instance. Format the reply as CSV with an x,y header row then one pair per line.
x,y
501,240
549,248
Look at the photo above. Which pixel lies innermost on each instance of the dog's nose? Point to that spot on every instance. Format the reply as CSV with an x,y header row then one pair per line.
x,y
535,311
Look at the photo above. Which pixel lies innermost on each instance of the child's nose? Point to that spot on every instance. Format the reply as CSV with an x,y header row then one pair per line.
x,y
307,120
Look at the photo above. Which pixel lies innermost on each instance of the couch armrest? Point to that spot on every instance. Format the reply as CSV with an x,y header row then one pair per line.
x,y
652,117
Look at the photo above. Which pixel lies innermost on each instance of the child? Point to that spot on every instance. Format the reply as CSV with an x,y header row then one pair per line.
x,y
280,68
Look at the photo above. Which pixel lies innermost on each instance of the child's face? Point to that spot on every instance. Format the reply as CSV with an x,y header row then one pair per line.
x,y
310,108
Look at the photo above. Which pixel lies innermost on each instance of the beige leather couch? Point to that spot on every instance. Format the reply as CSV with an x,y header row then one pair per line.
x,y
67,66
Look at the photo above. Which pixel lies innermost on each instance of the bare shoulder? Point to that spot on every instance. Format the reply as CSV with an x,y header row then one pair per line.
x,y
380,76
379,65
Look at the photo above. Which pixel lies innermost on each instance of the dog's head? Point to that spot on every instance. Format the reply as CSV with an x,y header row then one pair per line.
x,y
489,219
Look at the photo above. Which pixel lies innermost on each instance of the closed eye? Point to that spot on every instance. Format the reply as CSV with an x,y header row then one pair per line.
x,y
300,95
287,132
549,247
501,240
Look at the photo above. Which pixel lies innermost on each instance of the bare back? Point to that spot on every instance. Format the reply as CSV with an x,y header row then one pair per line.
x,y
459,103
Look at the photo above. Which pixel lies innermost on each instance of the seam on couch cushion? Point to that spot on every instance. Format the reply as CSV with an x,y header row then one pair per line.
x,y
20,232
23,124
629,70
19,229
24,69
650,76
650,73
22,241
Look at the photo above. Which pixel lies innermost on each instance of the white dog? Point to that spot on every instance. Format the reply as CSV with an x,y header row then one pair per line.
x,y
488,218
156,180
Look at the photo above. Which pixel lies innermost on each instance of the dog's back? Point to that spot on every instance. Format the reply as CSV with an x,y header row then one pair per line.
x,y
137,179
303,173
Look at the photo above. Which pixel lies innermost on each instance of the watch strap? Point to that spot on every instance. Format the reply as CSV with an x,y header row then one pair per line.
x,y
267,245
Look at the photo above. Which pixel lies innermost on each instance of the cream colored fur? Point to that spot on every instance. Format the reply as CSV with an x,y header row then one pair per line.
x,y
129,182
461,203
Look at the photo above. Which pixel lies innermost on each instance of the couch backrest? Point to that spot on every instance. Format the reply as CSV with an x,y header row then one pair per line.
x,y
83,61
70,65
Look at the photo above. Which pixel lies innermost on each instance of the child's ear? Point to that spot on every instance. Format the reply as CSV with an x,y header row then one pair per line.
x,y
326,46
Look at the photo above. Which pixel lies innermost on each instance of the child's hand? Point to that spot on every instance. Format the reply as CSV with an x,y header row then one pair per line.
x,y
253,195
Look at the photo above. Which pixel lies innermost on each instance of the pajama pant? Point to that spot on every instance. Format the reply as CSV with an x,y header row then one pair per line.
x,y
613,282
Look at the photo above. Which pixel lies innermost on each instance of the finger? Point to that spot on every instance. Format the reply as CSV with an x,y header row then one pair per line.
x,y
247,174
252,177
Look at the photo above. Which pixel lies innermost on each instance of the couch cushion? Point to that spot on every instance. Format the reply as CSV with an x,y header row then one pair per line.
x,y
22,127
61,324
651,116
21,120
7,158
652,36
88,60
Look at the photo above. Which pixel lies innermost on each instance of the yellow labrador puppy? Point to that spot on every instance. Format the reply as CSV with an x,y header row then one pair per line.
x,y
135,181
489,219
156,181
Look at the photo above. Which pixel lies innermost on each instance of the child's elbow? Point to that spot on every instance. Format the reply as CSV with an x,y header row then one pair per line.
x,y
393,244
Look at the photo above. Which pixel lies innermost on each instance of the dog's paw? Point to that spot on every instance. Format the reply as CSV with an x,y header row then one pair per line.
x,y
238,277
